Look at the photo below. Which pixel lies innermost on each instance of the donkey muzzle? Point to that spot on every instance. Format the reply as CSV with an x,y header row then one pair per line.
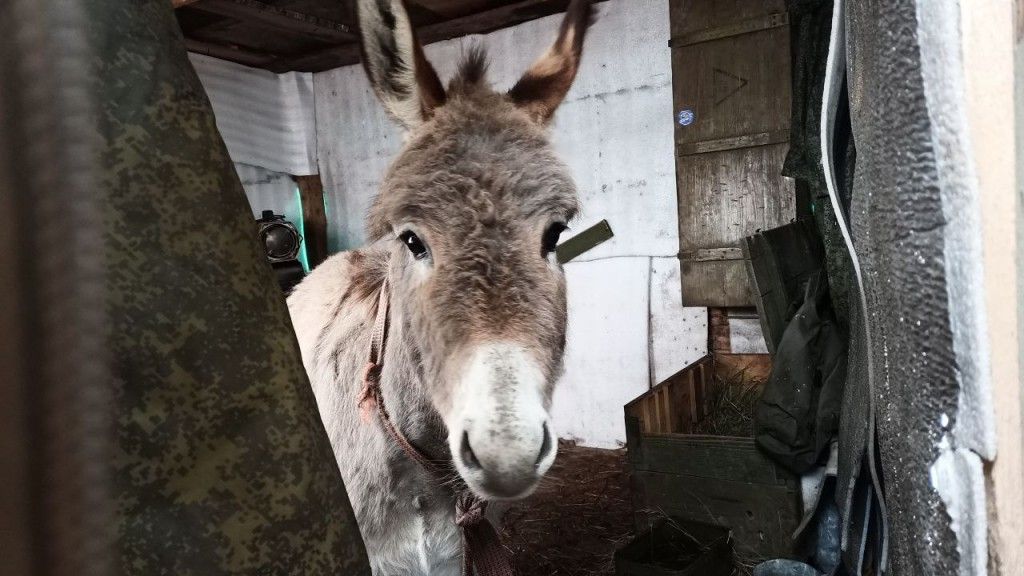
x,y
500,436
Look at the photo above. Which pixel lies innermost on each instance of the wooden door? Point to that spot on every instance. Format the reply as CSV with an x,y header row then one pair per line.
x,y
731,77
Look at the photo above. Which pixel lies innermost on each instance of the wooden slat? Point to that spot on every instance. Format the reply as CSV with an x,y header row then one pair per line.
x,y
714,458
314,216
732,143
712,254
750,25
232,53
762,518
666,407
680,422
703,382
694,412
279,19
715,283
690,17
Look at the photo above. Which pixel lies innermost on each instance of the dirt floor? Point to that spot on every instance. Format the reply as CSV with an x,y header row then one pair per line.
x,y
576,520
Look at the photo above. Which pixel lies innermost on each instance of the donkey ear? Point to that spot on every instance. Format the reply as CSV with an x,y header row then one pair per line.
x,y
401,76
546,83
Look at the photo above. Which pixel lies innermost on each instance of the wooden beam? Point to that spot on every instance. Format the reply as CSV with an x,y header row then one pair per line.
x,y
280,19
480,23
314,218
232,53
422,15
989,43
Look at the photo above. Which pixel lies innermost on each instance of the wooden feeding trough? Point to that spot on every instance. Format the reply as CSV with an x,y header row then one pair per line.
x,y
722,480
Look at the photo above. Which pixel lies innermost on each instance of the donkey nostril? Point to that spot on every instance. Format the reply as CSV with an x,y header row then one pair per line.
x,y
545,447
467,455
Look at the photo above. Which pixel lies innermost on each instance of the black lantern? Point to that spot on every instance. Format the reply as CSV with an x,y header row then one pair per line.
x,y
281,242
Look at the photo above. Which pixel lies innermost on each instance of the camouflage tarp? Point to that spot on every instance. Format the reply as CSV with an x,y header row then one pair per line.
x,y
223,466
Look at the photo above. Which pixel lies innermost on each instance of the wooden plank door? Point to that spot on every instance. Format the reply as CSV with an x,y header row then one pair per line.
x,y
731,77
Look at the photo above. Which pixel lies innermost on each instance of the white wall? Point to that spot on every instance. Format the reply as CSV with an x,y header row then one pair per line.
x,y
627,325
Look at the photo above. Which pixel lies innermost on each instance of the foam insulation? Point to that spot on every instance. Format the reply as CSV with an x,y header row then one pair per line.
x,y
746,337
269,190
678,334
615,132
958,476
915,226
607,352
266,119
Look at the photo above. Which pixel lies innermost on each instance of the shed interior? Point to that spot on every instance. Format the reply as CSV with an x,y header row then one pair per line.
x,y
788,344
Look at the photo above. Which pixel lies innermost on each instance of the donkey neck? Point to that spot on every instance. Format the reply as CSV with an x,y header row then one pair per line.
x,y
405,391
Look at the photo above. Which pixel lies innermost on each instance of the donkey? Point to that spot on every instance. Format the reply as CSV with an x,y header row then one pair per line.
x,y
462,235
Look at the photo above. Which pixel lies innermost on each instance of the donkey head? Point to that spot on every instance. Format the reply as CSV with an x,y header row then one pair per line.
x,y
475,203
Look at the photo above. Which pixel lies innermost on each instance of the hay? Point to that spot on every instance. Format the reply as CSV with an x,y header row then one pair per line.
x,y
730,407
576,520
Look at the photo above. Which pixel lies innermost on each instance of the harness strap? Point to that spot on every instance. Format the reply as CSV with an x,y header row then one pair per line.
x,y
481,545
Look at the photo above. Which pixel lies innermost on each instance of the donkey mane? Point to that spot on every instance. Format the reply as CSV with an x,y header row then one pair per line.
x,y
472,72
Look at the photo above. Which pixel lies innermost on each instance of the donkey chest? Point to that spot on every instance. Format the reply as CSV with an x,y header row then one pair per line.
x,y
417,535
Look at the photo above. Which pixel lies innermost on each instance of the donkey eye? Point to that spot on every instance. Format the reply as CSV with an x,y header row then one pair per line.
x,y
414,244
551,236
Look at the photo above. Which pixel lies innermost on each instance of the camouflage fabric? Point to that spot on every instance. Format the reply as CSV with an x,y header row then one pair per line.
x,y
223,464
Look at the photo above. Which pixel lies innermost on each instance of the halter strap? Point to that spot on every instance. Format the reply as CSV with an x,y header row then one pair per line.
x,y
481,545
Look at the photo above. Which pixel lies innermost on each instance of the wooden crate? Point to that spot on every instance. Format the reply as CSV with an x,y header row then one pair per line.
x,y
716,479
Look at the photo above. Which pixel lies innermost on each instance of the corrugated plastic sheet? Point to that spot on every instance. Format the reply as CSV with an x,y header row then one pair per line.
x,y
266,119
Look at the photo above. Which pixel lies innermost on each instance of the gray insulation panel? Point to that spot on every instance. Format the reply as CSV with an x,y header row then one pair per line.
x,y
914,224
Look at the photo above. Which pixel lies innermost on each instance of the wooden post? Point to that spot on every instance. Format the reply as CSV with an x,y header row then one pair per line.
x,y
988,44
314,218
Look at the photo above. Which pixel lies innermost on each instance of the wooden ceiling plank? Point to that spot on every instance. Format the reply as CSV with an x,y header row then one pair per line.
x,y
479,23
281,19
457,8
421,15
232,53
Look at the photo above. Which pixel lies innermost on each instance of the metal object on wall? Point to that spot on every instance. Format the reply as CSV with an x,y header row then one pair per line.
x,y
281,239
588,239
282,242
